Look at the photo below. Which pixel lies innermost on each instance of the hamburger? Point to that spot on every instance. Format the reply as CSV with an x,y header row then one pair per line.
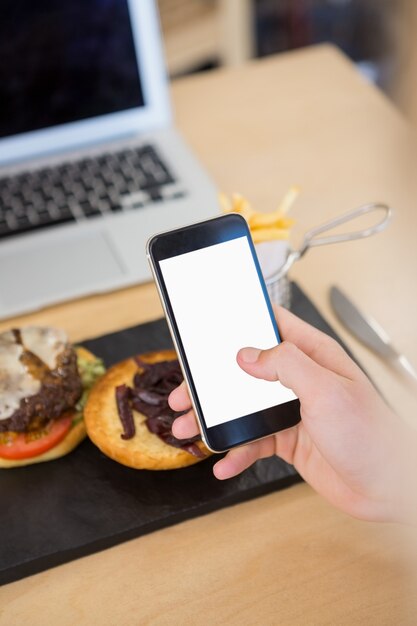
x,y
44,385
128,417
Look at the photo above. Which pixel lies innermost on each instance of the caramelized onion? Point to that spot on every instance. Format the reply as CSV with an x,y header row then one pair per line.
x,y
125,411
149,396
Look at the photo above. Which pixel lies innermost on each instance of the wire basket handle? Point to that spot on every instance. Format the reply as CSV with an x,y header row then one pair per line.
x,y
311,238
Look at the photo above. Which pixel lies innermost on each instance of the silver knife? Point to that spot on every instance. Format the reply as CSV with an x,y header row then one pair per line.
x,y
367,330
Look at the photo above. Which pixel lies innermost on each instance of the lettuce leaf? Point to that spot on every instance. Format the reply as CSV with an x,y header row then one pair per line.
x,y
90,372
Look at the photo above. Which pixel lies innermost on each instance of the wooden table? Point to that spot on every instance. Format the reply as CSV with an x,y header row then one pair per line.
x,y
288,558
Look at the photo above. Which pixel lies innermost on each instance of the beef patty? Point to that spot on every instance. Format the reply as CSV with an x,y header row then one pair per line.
x,y
60,389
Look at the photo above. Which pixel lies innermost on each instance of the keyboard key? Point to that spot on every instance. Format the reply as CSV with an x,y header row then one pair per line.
x,y
104,205
17,205
33,216
37,199
57,194
155,195
88,210
44,217
11,220
65,212
23,222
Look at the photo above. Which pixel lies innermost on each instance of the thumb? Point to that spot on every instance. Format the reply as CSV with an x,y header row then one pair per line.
x,y
288,364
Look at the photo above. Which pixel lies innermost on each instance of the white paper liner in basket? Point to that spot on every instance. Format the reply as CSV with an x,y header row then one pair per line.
x,y
272,256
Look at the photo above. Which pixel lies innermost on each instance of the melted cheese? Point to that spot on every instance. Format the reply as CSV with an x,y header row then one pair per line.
x,y
16,382
46,343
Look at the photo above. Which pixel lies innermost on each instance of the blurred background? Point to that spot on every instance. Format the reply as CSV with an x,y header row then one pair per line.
x,y
380,36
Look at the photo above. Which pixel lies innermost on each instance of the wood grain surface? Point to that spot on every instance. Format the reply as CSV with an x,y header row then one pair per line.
x,y
288,558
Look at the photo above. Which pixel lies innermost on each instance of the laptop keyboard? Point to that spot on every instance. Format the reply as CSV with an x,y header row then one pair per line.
x,y
85,189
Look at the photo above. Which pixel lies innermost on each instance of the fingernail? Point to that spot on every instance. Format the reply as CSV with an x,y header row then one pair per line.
x,y
250,355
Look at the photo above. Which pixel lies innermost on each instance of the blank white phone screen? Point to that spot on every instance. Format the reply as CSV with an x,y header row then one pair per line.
x,y
219,307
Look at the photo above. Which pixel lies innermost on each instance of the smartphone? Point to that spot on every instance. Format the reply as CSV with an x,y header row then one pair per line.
x,y
216,302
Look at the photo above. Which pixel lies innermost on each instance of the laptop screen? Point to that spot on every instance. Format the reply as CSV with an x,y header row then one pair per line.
x,y
65,61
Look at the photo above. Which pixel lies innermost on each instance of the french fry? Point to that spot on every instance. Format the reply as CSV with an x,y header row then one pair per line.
x,y
264,220
269,234
286,222
269,220
242,206
263,226
288,200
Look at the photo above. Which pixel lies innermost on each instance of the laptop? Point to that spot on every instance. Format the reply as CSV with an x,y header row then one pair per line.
x,y
90,162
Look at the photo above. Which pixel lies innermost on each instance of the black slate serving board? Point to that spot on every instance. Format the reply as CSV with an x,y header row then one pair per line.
x,y
54,512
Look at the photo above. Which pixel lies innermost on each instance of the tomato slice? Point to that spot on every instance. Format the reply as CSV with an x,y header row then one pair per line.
x,y
16,446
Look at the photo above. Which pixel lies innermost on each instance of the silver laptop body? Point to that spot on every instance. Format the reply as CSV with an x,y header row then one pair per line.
x,y
90,163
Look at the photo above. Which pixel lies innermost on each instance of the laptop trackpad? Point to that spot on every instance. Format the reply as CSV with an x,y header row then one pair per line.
x,y
45,273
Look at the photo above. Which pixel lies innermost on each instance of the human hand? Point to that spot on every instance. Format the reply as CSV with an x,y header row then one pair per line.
x,y
349,446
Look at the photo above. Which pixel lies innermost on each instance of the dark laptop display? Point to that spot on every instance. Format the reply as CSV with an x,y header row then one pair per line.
x,y
65,61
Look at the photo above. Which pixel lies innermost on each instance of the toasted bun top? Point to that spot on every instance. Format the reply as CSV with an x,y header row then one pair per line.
x,y
145,450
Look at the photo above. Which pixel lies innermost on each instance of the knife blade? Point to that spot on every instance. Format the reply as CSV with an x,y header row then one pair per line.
x,y
367,330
